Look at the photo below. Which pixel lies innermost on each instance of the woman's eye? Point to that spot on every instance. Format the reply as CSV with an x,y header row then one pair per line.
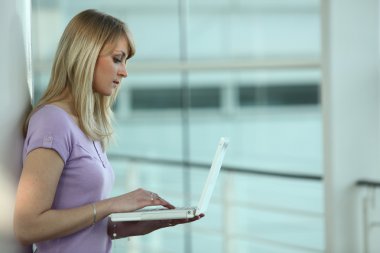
x,y
116,60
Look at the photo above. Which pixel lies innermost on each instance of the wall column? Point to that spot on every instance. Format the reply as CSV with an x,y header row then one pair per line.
x,y
350,99
15,84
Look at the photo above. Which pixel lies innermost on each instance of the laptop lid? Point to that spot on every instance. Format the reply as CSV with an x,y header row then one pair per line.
x,y
212,177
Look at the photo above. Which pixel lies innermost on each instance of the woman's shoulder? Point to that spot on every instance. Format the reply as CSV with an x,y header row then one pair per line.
x,y
48,111
51,115
50,127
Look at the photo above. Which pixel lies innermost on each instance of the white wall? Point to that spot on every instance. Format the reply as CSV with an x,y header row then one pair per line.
x,y
351,115
15,73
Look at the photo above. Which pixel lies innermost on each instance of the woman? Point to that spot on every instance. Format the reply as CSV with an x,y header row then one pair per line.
x,y
62,204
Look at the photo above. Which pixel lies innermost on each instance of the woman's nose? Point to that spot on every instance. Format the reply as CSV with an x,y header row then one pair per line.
x,y
123,72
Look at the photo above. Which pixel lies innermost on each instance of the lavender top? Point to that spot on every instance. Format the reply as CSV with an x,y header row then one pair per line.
x,y
87,176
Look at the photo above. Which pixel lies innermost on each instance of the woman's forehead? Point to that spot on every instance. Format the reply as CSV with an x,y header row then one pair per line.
x,y
120,45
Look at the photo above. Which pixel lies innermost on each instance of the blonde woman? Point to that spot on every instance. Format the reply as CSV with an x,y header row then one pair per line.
x,y
62,200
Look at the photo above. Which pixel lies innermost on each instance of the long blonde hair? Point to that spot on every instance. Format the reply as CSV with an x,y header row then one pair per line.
x,y
73,68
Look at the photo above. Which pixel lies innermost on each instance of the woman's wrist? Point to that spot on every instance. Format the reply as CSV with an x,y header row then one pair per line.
x,y
113,230
103,208
111,204
117,230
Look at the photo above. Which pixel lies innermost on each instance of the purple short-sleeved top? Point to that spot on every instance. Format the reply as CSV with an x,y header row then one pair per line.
x,y
87,176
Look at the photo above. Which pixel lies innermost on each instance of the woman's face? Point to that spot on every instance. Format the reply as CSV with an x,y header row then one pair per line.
x,y
110,68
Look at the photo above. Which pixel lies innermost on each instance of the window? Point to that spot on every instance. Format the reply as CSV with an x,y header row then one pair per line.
x,y
283,95
171,98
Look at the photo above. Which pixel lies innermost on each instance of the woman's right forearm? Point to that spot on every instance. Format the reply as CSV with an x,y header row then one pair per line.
x,y
55,223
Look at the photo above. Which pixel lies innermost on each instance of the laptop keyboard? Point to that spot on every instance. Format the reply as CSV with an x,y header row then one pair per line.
x,y
163,208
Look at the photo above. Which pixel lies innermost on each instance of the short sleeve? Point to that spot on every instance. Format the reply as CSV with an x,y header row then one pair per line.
x,y
49,128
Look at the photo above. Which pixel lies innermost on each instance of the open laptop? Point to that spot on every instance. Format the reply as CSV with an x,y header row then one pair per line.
x,y
182,213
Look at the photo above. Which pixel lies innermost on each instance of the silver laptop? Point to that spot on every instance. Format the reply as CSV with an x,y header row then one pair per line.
x,y
182,213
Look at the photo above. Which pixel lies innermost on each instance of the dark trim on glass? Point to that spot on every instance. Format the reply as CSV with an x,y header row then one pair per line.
x,y
368,183
298,176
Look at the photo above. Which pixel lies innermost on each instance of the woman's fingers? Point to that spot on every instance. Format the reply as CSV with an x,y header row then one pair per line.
x,y
171,223
155,200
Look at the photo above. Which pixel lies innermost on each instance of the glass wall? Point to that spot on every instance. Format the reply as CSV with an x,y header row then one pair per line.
x,y
245,69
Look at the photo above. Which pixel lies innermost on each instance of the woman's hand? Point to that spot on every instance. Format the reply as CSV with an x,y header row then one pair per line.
x,y
136,200
134,228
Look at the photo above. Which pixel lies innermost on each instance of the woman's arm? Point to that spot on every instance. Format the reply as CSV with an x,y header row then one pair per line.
x,y
34,218
117,230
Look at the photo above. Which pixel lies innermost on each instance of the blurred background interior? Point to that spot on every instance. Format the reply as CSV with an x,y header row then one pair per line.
x,y
245,69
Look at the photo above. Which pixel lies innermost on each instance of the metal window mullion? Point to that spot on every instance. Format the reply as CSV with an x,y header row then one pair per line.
x,y
185,102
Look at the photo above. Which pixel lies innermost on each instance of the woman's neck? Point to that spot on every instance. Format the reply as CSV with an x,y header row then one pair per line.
x,y
65,101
